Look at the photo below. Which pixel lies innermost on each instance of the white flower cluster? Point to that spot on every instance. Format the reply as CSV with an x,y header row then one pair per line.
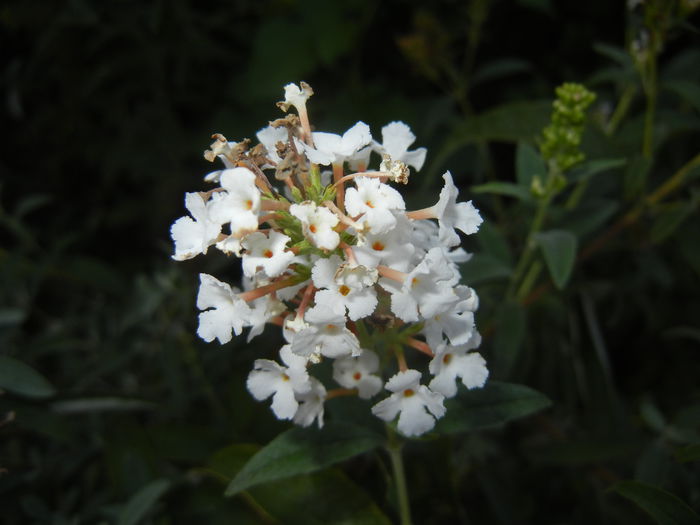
x,y
340,269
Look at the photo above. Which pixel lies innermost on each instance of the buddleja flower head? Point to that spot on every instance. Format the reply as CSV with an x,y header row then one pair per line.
x,y
333,257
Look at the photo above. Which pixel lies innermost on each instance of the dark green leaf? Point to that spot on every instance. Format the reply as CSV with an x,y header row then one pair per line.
x,y
141,502
11,316
510,333
300,451
505,188
513,122
484,267
559,249
669,219
22,379
617,54
688,453
227,462
492,241
493,405
499,69
687,90
321,498
589,216
662,506
586,170
528,163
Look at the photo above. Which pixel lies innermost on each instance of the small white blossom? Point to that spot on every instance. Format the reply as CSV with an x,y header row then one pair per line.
x,y
452,214
416,405
344,286
451,362
396,139
269,137
263,309
239,205
317,223
330,148
392,249
456,323
296,96
311,405
359,372
225,311
193,237
426,289
375,201
326,335
266,252
269,378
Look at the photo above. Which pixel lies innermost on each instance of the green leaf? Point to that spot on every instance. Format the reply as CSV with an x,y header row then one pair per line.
x,y
510,333
11,316
588,169
499,69
589,216
528,163
323,498
505,188
559,249
687,90
617,54
22,379
141,502
688,453
662,506
669,219
512,122
484,267
491,406
300,451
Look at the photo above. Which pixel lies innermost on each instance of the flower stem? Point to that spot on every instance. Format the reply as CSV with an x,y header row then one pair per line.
x,y
394,449
529,251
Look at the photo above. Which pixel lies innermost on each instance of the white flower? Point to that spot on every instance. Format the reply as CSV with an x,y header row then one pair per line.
x,y
326,335
451,362
230,245
266,252
358,372
396,139
239,204
375,201
263,309
311,404
296,96
456,323
193,237
317,223
426,235
268,378
344,286
452,214
269,137
426,289
330,148
416,404
391,249
227,311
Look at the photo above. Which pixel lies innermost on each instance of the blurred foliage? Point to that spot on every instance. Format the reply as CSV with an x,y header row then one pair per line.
x,y
113,412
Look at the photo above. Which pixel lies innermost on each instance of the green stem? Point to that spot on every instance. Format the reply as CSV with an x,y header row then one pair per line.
x,y
650,87
529,280
394,449
621,109
530,244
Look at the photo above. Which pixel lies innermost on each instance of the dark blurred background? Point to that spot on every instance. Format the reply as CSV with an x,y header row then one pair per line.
x,y
106,110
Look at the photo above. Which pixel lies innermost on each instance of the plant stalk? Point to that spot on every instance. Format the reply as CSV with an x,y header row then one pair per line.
x,y
394,449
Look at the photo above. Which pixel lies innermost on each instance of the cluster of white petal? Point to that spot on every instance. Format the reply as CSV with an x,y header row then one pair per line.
x,y
336,265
